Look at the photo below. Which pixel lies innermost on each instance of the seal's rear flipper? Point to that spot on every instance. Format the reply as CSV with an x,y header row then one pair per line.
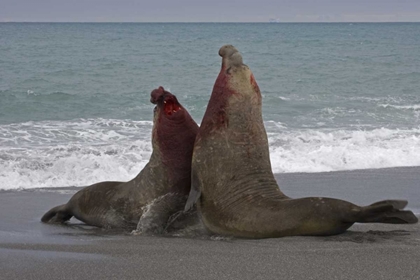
x,y
58,214
387,211
397,204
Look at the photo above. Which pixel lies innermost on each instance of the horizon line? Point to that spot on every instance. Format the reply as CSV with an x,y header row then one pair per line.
x,y
275,22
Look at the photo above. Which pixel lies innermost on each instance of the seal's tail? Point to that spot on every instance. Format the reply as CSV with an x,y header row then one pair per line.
x,y
58,214
387,211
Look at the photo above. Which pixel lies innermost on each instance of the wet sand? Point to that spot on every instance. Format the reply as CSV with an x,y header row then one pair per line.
x,y
32,250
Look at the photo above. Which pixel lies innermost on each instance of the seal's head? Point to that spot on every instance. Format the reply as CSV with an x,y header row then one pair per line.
x,y
235,76
231,56
235,99
173,133
167,103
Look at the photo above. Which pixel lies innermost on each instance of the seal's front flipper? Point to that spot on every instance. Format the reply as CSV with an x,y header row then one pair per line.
x,y
182,220
193,197
195,192
156,214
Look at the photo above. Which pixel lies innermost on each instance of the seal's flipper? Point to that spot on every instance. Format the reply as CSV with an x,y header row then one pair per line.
x,y
57,215
387,211
186,223
192,199
397,204
156,215
195,192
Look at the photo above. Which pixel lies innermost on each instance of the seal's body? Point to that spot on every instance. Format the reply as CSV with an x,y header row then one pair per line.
x,y
158,191
232,180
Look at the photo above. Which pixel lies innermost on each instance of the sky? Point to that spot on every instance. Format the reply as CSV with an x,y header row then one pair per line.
x,y
209,10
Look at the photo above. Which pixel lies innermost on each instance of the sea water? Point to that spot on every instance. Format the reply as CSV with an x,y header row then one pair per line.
x,y
75,109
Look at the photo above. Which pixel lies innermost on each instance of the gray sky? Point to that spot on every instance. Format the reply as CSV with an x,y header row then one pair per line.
x,y
209,11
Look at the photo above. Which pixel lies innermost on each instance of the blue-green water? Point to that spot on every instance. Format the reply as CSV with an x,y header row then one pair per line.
x,y
74,97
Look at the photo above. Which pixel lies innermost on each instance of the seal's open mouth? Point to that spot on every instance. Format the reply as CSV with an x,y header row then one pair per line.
x,y
170,106
166,100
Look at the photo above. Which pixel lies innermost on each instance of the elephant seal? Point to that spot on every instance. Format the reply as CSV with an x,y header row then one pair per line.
x,y
232,180
157,192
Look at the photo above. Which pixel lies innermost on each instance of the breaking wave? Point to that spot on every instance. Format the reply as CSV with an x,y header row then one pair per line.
x,y
78,153
85,151
323,150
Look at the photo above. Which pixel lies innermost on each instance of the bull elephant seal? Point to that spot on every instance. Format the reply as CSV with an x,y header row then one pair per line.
x,y
158,191
232,181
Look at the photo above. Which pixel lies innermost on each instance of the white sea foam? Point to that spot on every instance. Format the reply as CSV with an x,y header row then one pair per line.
x,y
86,151
319,151
79,153
405,107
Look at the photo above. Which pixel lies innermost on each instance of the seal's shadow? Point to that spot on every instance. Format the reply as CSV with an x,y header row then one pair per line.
x,y
371,236
81,229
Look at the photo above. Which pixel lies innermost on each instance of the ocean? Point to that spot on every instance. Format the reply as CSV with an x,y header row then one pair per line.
x,y
75,109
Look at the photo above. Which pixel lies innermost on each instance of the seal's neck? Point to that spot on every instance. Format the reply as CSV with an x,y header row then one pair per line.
x,y
174,142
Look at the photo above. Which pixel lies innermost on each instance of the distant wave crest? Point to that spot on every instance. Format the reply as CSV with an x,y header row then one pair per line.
x,y
405,107
323,150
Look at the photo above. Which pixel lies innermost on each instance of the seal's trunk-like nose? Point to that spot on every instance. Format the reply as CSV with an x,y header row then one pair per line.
x,y
231,56
156,94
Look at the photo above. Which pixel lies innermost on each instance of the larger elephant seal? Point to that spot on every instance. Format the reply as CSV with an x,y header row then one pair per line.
x,y
158,191
232,181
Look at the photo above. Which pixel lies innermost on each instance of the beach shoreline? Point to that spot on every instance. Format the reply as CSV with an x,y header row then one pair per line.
x,y
32,250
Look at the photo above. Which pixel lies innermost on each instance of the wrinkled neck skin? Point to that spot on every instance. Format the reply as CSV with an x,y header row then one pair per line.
x,y
175,138
169,167
231,155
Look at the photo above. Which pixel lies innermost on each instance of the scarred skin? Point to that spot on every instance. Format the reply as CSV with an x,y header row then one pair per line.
x,y
232,180
165,180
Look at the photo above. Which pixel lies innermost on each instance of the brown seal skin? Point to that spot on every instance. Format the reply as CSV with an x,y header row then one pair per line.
x,y
232,180
157,192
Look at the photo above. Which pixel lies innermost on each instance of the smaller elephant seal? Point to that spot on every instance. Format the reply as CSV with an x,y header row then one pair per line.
x,y
232,180
146,202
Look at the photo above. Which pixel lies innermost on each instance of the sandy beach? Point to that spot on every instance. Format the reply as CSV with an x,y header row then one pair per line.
x,y
32,250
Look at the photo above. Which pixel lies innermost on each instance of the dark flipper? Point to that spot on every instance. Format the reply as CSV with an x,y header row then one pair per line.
x,y
157,214
182,220
387,211
58,214
397,204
